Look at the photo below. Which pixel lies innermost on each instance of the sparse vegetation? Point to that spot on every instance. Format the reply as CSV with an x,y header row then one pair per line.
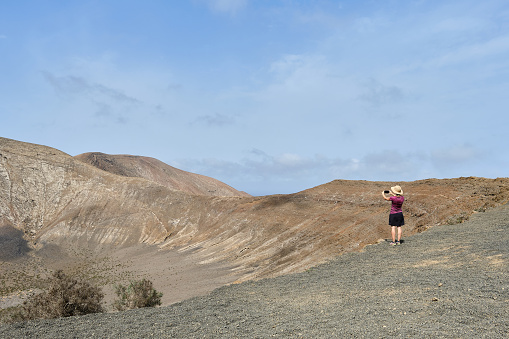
x,y
65,297
136,295
458,219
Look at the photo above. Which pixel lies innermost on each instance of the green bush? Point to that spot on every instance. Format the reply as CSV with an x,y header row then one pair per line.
x,y
136,295
65,297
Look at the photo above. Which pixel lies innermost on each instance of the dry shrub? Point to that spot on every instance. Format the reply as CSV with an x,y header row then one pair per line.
x,y
457,218
136,295
66,297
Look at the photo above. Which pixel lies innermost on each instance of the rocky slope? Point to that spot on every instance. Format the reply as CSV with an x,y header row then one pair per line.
x,y
57,208
448,282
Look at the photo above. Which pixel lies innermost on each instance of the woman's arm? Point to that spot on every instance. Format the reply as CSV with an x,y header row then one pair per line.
x,y
383,195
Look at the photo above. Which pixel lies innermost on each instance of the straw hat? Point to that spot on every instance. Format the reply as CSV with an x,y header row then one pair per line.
x,y
397,190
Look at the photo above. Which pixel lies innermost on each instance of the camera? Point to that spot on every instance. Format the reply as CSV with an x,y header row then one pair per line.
x,y
387,192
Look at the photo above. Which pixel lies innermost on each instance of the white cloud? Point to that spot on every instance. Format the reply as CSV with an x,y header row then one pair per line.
x,y
496,47
290,160
279,172
287,65
458,24
231,7
305,84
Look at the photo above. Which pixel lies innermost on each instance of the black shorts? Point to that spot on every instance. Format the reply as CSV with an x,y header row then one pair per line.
x,y
396,219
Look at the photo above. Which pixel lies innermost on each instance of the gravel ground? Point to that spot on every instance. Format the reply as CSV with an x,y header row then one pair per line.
x,y
448,282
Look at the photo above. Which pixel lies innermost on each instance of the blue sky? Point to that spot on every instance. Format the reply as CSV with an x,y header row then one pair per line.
x,y
268,96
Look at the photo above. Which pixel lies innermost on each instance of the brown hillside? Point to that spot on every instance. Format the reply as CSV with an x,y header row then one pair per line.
x,y
57,211
159,172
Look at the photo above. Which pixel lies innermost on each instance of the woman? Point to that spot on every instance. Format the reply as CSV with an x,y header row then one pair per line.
x,y
396,219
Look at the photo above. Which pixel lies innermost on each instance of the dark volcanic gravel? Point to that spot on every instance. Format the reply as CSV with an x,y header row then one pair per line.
x,y
448,282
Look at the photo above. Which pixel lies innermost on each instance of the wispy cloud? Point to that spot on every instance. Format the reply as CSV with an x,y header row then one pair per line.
x,y
231,7
92,99
294,170
260,169
377,94
74,85
217,119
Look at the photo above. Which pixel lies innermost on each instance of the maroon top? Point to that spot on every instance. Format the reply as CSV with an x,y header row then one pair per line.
x,y
397,203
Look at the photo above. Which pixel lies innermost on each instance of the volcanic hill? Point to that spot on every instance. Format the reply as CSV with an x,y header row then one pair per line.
x,y
116,217
159,172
